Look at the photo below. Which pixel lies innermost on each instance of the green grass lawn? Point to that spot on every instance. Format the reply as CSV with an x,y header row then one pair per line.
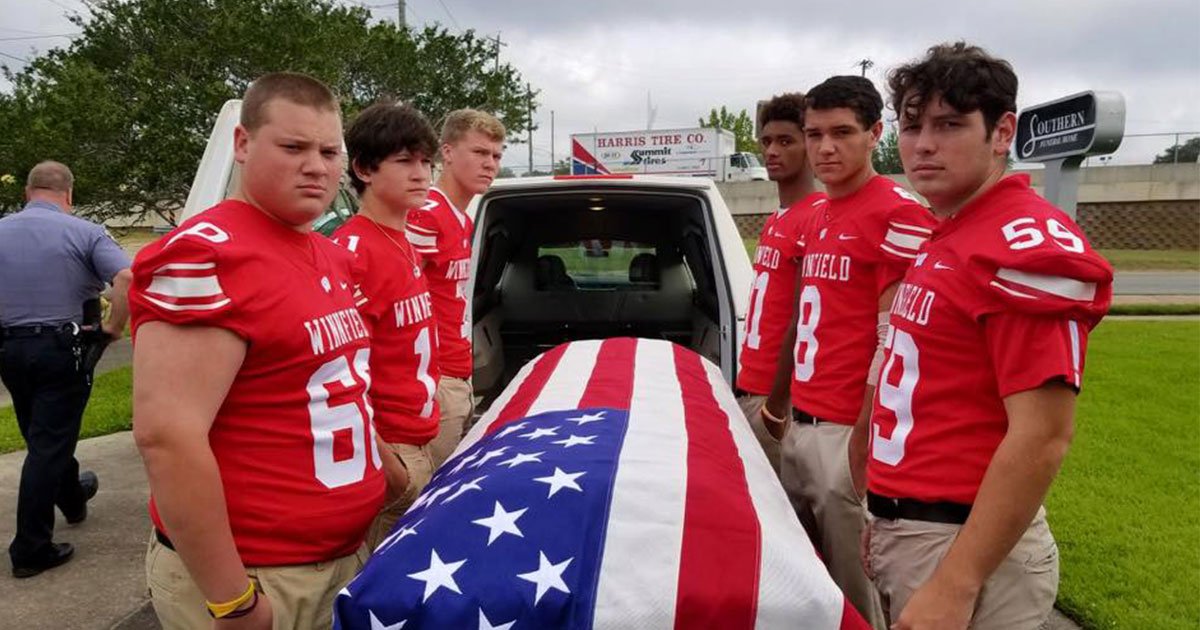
x,y
1126,507
110,409
1153,259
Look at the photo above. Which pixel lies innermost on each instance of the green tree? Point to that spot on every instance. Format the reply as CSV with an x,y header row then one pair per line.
x,y
886,158
1180,153
129,104
740,124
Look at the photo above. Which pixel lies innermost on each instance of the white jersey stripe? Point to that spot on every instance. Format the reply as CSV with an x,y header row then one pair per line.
x,y
789,571
185,287
896,252
1013,292
420,239
211,306
1073,328
185,266
902,240
645,523
911,228
1068,288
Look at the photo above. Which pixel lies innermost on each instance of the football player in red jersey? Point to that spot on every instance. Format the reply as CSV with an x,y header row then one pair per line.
x,y
776,259
472,144
390,147
857,248
975,406
250,399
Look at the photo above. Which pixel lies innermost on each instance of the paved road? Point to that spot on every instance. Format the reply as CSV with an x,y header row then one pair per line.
x,y
1157,283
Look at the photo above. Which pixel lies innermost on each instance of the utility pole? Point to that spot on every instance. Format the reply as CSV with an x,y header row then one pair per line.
x,y
529,102
552,162
865,64
496,44
402,22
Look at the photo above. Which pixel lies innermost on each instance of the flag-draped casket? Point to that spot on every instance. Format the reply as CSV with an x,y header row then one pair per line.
x,y
613,484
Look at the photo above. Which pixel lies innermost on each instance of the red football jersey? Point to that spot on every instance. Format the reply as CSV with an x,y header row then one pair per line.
x,y
1000,301
441,233
293,437
395,304
773,294
856,247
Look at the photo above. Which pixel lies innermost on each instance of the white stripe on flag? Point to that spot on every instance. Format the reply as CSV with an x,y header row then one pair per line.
x,y
1068,288
185,287
486,420
792,582
645,523
565,386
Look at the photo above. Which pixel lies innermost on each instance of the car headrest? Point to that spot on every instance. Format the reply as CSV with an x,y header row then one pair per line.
x,y
644,268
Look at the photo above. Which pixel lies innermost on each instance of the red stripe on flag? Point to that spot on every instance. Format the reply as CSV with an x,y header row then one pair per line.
x,y
720,555
529,389
611,382
851,619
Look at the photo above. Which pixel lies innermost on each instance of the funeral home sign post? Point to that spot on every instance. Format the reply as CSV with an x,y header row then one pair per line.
x,y
1061,133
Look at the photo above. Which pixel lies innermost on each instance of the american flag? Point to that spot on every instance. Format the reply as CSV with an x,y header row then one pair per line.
x,y
613,484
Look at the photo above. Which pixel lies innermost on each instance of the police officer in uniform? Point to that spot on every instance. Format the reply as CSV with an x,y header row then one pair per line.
x,y
51,263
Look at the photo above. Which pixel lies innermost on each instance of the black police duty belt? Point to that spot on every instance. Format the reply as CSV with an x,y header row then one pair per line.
x,y
40,330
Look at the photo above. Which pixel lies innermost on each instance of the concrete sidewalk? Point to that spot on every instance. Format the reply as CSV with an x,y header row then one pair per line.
x,y
104,585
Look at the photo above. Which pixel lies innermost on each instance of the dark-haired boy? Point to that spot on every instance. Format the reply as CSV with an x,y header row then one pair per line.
x,y
389,148
856,249
976,399
776,259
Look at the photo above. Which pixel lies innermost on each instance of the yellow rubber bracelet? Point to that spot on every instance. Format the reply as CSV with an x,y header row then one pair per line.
x,y
221,610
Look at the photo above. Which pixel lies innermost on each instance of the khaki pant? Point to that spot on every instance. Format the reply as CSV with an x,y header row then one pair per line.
x,y
1020,594
418,460
301,595
815,470
457,401
751,404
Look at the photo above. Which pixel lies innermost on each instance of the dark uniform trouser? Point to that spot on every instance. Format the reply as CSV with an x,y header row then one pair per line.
x,y
49,392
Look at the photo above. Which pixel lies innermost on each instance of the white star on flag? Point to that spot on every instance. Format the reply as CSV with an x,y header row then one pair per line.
x,y
587,417
521,458
560,480
484,624
438,575
575,440
547,576
466,487
376,624
513,428
463,462
400,534
501,522
432,497
537,433
488,456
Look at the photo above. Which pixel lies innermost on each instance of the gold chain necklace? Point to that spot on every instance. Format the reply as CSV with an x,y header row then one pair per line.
x,y
407,254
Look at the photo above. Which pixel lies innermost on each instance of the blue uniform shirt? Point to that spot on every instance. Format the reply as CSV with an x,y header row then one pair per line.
x,y
50,263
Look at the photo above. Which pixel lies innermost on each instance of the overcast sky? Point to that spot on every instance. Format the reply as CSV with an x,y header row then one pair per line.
x,y
596,63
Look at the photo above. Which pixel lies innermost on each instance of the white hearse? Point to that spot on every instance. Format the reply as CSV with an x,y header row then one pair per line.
x,y
566,258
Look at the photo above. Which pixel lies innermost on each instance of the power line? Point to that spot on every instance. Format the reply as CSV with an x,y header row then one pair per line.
x,y
22,60
450,15
28,37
